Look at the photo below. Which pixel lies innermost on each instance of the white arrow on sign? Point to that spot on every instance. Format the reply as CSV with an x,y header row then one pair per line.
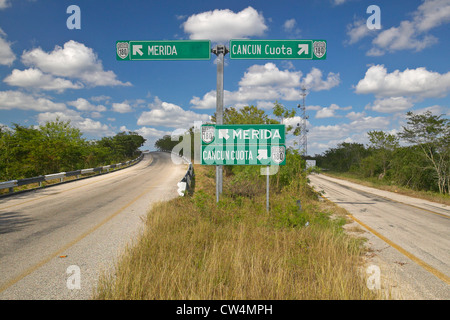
x,y
304,48
137,49
262,154
223,133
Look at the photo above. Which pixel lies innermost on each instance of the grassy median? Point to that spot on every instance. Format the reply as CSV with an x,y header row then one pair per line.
x,y
193,248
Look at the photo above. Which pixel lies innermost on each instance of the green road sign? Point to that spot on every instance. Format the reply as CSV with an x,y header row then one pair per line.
x,y
278,49
163,50
243,154
243,144
239,134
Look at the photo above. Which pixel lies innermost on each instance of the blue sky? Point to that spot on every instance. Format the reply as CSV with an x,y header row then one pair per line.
x,y
369,80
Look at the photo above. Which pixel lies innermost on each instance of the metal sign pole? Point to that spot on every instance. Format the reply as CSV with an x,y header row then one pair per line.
x,y
220,51
267,186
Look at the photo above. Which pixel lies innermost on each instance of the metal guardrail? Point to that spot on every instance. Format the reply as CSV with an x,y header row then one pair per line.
x,y
61,175
185,183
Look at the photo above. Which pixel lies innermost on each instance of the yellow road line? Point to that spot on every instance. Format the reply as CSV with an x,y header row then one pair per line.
x,y
70,244
420,262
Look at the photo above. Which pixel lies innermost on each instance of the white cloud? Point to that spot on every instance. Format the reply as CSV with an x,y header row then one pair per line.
x,y
4,4
313,80
7,56
418,82
35,79
123,107
169,115
390,105
18,100
402,37
223,25
74,60
357,30
84,105
329,112
289,24
151,133
267,82
412,34
431,14
269,75
290,27
86,125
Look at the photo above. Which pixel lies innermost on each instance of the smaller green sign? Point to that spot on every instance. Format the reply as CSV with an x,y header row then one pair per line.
x,y
278,49
163,50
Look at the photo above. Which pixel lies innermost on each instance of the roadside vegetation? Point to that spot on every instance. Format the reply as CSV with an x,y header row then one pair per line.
x,y
57,146
194,248
416,161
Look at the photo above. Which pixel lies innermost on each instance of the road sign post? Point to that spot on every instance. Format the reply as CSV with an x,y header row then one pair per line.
x,y
220,51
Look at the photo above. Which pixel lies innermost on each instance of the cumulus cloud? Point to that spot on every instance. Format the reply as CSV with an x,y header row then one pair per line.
x,y
36,79
18,100
123,107
313,80
329,112
390,105
413,34
169,115
7,56
86,125
357,31
268,83
84,105
417,82
73,60
4,4
223,25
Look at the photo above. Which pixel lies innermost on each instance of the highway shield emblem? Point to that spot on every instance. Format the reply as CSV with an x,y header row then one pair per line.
x,y
278,154
320,48
122,49
208,134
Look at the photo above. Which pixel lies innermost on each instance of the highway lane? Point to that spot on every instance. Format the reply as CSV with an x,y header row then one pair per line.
x,y
84,223
411,236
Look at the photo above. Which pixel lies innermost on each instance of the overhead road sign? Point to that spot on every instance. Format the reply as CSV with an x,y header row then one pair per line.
x,y
163,50
278,49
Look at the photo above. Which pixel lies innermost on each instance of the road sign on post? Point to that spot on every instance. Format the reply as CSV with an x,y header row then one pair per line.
x,y
278,49
163,50
244,144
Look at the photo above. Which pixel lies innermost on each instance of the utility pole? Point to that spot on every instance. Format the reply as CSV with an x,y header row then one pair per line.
x,y
220,51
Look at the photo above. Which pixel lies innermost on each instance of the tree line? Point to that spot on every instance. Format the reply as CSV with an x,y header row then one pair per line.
x,y
57,146
418,157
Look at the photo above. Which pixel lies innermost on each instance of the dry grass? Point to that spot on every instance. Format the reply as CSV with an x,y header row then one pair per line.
x,y
194,249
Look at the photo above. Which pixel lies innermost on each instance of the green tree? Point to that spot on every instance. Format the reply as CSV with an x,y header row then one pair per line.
x,y
431,133
245,115
384,145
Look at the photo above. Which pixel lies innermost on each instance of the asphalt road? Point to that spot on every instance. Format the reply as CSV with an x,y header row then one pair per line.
x,y
409,237
54,242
